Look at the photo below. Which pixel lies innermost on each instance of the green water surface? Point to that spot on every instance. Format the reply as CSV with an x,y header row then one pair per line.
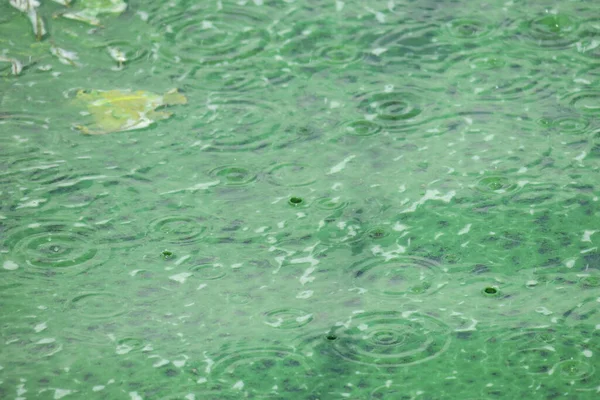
x,y
382,199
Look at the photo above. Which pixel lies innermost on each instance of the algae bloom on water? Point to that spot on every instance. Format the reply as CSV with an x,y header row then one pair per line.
x,y
124,110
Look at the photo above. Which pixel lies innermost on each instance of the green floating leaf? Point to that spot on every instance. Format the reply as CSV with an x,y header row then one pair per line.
x,y
88,11
124,110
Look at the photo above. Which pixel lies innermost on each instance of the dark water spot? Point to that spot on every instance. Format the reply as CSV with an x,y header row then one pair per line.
x,y
480,269
295,201
592,260
233,226
490,290
464,335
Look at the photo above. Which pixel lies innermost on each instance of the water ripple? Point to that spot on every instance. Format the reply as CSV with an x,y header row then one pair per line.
x,y
287,318
503,76
317,44
407,44
586,102
291,174
469,28
398,277
238,124
549,31
240,77
55,247
96,305
496,185
231,175
361,128
264,372
396,111
213,35
180,229
390,338
552,355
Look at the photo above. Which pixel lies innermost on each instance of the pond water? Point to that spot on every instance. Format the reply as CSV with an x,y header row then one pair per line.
x,y
286,199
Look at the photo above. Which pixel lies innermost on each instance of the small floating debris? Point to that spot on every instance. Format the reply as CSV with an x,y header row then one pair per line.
x,y
65,56
118,55
16,65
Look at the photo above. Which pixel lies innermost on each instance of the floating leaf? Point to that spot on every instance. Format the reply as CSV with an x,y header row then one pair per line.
x,y
29,7
88,10
124,110
65,56
16,67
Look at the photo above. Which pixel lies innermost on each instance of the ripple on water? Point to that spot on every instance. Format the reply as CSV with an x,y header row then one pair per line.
x,y
296,133
54,247
360,127
496,185
395,111
567,124
213,34
504,77
586,102
36,171
287,318
15,146
482,61
391,338
96,305
121,231
21,345
537,196
401,276
232,175
531,352
488,285
240,78
560,356
340,231
407,43
27,123
208,271
469,28
180,229
133,52
316,43
330,203
128,345
549,31
291,174
267,372
238,124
